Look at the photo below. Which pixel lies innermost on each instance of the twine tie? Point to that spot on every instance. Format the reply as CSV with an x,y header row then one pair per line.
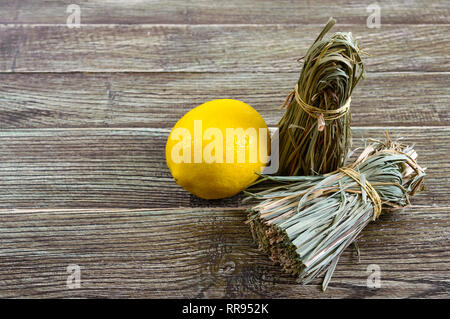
x,y
320,114
371,192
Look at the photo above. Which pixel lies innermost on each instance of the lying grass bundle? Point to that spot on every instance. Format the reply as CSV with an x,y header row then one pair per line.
x,y
315,129
306,222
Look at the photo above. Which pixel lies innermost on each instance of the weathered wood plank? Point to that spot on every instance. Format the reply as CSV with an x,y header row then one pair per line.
x,y
158,100
223,11
209,48
206,253
125,168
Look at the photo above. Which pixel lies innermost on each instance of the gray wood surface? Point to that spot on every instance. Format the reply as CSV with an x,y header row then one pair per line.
x,y
205,252
152,100
209,48
85,114
223,11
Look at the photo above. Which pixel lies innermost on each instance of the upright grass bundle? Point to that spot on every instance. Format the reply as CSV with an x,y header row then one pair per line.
x,y
315,129
306,222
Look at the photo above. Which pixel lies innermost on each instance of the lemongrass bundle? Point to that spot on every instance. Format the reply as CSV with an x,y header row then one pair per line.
x,y
305,223
315,129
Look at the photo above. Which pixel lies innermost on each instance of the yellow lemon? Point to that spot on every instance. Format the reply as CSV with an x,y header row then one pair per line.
x,y
214,150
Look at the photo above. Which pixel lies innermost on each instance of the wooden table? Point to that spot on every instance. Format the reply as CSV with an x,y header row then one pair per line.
x,y
85,113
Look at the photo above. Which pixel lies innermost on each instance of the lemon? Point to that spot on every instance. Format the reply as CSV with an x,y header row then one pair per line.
x,y
214,150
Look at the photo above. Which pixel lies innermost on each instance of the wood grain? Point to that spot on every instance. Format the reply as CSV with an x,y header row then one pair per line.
x,y
206,253
209,48
85,114
125,168
223,11
46,100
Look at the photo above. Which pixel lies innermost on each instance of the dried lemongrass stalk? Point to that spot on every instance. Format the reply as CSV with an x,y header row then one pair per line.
x,y
306,222
315,129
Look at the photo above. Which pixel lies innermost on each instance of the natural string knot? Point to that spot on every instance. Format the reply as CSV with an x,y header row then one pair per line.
x,y
320,114
367,187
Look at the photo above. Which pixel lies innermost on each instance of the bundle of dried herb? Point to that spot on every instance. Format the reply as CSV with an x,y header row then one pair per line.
x,y
306,222
315,129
